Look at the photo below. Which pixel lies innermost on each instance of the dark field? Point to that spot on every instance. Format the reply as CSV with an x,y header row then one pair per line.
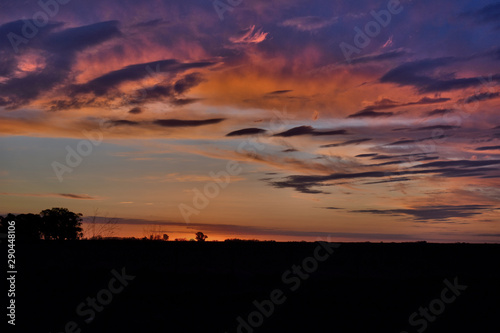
x,y
205,287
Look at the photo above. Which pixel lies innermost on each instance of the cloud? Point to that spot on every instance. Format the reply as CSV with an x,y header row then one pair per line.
x,y
172,123
279,92
76,196
346,143
246,131
308,23
250,36
379,57
177,177
419,75
73,103
487,14
408,158
186,123
458,168
458,163
387,163
406,74
135,110
488,148
393,180
122,122
183,101
440,127
409,141
385,157
59,195
102,84
388,42
304,184
16,27
386,103
383,104
187,82
370,114
439,112
59,52
428,100
487,235
432,213
150,23
454,84
308,130
481,97
80,38
300,130
157,92
427,158
367,155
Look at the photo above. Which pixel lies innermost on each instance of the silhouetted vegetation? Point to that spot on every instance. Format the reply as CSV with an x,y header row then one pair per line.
x,y
28,226
154,232
50,224
360,287
61,224
100,227
200,237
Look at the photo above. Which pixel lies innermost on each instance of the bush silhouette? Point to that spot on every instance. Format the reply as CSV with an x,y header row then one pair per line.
x,y
200,237
28,226
61,224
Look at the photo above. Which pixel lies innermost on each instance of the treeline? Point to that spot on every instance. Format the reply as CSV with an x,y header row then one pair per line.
x,y
246,240
49,224
62,224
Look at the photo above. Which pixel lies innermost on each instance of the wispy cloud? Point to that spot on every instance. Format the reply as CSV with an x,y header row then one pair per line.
x,y
59,195
308,23
250,36
432,213
309,130
247,131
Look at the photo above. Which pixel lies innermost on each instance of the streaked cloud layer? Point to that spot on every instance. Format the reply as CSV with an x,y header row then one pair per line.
x,y
159,100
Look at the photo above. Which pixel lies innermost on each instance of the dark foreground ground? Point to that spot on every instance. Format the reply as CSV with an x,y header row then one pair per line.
x,y
206,287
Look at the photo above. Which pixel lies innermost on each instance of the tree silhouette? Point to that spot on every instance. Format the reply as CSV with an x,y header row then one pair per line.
x,y
28,226
165,237
200,237
61,224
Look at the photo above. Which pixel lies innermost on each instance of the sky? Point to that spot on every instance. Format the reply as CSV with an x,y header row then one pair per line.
x,y
284,120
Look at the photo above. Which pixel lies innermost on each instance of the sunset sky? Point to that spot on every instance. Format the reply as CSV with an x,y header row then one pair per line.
x,y
286,120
